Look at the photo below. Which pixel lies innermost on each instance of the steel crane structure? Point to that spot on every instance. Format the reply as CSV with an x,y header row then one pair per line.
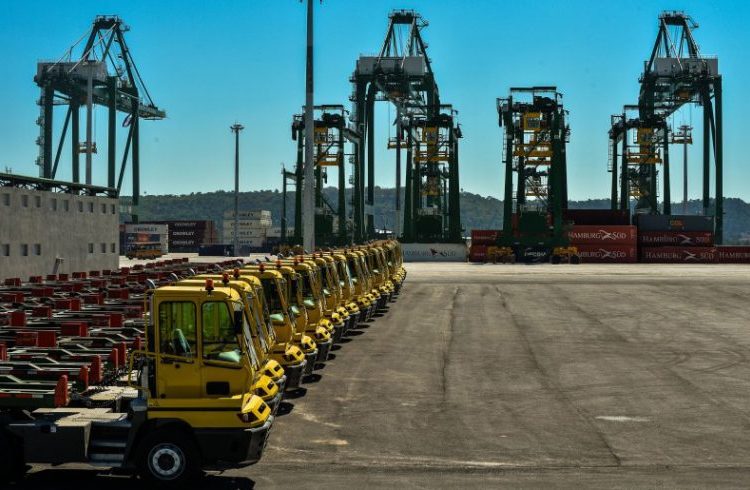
x,y
677,74
104,74
637,146
535,164
330,135
401,74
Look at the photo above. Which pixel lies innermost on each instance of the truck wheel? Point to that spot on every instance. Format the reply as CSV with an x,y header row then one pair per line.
x,y
12,466
168,458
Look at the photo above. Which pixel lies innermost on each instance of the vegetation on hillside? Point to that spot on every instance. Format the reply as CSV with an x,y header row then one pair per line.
x,y
477,212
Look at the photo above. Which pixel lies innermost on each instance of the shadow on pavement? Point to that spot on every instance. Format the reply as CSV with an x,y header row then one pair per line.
x,y
295,393
312,378
285,408
85,479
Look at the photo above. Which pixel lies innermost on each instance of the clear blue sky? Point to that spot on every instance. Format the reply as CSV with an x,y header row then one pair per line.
x,y
212,63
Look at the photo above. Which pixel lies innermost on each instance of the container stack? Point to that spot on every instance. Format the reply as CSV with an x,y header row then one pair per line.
x,y
676,239
480,240
733,255
146,233
605,243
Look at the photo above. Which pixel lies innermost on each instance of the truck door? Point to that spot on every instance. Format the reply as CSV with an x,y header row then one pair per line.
x,y
224,373
178,366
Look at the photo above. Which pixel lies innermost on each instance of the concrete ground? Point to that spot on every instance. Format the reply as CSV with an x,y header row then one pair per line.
x,y
625,376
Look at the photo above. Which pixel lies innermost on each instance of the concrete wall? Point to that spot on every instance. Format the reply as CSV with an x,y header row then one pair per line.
x,y
39,227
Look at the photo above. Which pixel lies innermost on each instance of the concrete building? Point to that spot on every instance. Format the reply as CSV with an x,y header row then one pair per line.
x,y
44,232
252,229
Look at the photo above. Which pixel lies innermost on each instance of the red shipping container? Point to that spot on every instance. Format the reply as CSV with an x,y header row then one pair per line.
x,y
674,255
603,235
733,255
478,253
607,253
676,238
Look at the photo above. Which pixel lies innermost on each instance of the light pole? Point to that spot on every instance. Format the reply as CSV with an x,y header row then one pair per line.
x,y
308,197
685,137
236,128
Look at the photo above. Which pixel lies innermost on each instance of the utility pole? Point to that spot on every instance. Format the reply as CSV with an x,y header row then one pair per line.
x,y
283,204
397,221
236,128
308,193
685,137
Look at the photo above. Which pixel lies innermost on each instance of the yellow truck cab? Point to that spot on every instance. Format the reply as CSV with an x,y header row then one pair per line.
x,y
347,287
372,289
336,303
365,300
326,292
306,295
301,308
282,316
291,357
266,368
185,406
379,274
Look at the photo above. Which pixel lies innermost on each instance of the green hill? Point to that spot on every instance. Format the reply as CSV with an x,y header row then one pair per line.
x,y
476,211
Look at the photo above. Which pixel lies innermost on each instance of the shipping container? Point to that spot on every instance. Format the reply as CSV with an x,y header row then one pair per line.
x,y
599,235
733,255
662,222
188,235
676,238
668,255
478,253
484,237
607,253
596,217
218,250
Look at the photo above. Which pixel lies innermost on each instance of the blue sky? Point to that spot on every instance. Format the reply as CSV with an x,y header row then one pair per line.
x,y
209,64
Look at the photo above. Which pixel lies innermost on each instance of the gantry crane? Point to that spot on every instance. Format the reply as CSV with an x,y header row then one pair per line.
x,y
104,74
638,146
677,74
331,133
535,163
402,75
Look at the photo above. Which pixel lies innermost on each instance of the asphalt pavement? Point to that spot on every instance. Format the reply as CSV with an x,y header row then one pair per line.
x,y
625,376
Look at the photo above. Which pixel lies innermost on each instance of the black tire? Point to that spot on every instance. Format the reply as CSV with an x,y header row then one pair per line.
x,y
169,458
556,259
575,259
12,466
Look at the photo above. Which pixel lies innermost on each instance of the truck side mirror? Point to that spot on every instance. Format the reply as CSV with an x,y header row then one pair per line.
x,y
238,319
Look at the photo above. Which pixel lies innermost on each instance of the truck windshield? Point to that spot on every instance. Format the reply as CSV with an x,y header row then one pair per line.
x,y
259,332
296,291
346,275
266,315
219,341
177,328
307,286
273,296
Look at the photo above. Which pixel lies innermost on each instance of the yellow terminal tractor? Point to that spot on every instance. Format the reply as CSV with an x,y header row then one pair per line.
x,y
267,370
334,295
187,405
304,299
283,318
348,299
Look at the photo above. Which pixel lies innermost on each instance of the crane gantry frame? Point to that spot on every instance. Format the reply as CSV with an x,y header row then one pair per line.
x,y
95,78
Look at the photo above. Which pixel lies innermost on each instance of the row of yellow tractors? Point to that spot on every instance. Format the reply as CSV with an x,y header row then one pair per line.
x,y
220,350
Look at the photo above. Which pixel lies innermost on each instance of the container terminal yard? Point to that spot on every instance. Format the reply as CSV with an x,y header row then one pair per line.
x,y
565,347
